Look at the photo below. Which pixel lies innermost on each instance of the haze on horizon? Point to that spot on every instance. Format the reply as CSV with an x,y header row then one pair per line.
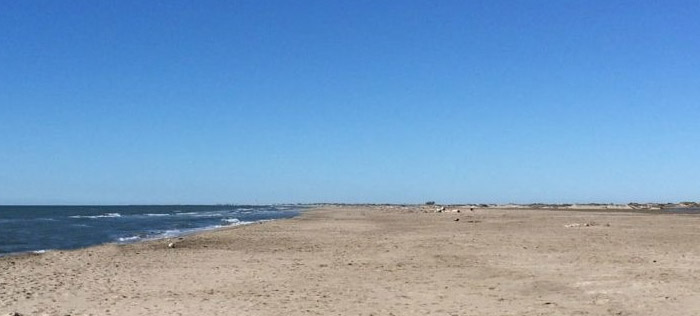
x,y
256,102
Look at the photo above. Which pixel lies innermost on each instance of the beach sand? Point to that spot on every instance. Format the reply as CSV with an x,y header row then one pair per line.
x,y
380,261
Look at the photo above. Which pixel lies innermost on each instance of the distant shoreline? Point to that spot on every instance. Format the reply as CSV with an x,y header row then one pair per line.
x,y
592,205
660,208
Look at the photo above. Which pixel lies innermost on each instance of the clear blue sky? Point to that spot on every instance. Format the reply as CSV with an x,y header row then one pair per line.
x,y
349,101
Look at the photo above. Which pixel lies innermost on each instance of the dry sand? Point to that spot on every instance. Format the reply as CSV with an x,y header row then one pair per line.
x,y
373,261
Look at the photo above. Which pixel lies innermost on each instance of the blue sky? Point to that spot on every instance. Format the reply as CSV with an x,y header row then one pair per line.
x,y
127,102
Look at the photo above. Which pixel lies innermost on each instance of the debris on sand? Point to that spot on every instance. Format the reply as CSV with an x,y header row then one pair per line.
x,y
587,224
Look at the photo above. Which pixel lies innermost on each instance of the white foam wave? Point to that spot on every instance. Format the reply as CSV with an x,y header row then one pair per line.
x,y
237,222
207,214
187,213
204,214
157,214
181,232
172,233
106,215
128,239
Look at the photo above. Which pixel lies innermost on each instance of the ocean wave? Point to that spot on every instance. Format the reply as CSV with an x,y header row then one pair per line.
x,y
231,220
208,214
106,215
129,239
187,213
156,214
235,222
172,233
204,214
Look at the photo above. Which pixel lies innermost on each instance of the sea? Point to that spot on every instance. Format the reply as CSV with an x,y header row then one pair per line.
x,y
41,228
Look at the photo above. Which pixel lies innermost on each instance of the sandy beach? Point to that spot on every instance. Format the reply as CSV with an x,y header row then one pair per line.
x,y
380,261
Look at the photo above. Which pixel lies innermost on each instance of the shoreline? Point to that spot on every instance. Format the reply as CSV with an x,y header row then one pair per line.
x,y
310,207
382,261
307,208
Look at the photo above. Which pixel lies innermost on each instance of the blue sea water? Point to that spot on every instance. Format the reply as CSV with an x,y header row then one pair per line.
x,y
37,228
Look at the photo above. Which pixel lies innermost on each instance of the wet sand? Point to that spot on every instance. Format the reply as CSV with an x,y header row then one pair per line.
x,y
381,261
